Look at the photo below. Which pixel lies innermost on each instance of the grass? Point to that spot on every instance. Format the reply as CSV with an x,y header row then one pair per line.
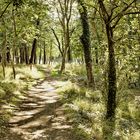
x,y
87,111
87,108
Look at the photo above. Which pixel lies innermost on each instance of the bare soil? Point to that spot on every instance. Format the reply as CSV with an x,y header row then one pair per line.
x,y
41,115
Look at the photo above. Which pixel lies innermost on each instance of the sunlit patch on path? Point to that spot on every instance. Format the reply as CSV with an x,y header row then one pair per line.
x,y
41,115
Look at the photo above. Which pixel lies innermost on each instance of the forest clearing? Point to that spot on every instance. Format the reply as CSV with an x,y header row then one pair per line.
x,y
69,70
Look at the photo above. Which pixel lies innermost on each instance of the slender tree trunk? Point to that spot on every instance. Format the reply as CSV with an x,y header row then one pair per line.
x,y
16,56
111,101
50,56
22,55
26,54
44,55
0,57
14,43
96,47
85,40
8,54
40,56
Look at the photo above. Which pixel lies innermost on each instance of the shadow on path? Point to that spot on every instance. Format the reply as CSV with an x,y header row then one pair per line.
x,y
41,115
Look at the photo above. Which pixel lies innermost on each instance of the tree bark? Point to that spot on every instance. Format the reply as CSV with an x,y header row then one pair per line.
x,y
111,100
69,55
85,40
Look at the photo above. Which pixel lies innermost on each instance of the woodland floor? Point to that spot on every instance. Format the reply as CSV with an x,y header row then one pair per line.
x,y
41,114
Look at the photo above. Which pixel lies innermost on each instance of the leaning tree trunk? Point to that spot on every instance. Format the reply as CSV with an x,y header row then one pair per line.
x,y
33,51
111,101
85,40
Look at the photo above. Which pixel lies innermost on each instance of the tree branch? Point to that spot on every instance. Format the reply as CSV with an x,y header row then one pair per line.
x,y
57,41
5,9
104,10
124,9
121,14
133,13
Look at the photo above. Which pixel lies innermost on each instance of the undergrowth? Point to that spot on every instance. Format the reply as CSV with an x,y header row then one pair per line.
x,y
86,108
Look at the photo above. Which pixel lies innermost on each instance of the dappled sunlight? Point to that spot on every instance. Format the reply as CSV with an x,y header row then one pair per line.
x,y
40,115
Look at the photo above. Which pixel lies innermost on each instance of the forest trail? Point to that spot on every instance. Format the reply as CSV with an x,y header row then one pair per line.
x,y
41,114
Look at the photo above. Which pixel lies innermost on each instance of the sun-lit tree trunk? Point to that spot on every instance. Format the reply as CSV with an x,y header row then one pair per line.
x,y
14,42
50,55
64,15
98,39
85,40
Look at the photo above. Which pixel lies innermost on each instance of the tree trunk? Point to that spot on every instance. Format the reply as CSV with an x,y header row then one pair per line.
x,y
85,40
26,54
14,43
44,57
8,54
40,56
69,55
111,101
50,55
22,54
63,62
16,56
33,51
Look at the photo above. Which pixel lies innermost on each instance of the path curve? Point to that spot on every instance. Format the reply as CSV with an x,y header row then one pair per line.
x,y
41,115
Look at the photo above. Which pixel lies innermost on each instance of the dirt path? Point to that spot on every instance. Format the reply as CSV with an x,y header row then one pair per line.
x,y
41,115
